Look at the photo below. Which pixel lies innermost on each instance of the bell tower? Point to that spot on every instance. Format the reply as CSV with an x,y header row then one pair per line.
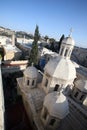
x,y
67,46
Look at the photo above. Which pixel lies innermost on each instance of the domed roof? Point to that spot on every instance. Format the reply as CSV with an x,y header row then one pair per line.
x,y
81,85
31,72
56,104
61,68
68,40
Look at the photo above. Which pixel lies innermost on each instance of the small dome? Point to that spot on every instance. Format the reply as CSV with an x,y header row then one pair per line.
x,y
81,85
61,68
68,41
31,72
57,105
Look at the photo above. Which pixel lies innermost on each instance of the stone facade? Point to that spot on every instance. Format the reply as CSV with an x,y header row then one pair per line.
x,y
11,52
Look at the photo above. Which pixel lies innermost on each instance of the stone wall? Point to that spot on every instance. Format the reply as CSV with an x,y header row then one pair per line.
x,y
1,102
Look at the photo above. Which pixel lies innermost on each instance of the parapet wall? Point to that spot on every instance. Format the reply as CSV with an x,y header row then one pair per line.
x,y
1,102
15,63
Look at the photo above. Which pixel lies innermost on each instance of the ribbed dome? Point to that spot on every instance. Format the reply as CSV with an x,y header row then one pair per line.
x,y
56,104
69,41
81,85
61,68
31,72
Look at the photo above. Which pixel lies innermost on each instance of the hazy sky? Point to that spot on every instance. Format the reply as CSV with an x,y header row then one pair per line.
x,y
54,17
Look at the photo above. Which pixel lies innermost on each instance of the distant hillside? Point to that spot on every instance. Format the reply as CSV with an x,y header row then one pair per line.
x,y
8,32
79,55
24,34
5,31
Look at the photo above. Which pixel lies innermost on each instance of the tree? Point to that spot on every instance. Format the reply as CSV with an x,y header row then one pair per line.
x,y
52,44
46,37
34,51
0,57
60,41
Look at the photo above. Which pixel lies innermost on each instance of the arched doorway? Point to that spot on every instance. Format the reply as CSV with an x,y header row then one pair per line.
x,y
56,87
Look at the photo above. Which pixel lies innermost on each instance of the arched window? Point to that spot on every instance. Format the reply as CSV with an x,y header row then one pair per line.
x,y
56,87
69,53
27,82
61,51
32,82
46,82
34,125
66,52
81,98
45,113
76,94
52,121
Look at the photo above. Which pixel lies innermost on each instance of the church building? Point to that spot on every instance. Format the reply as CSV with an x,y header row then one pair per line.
x,y
55,99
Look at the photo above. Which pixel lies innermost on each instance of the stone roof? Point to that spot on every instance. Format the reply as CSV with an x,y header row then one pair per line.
x,y
37,97
31,72
56,104
69,41
61,68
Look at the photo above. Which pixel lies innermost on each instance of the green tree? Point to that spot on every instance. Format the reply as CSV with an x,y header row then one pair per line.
x,y
52,40
60,41
34,51
0,57
52,43
46,37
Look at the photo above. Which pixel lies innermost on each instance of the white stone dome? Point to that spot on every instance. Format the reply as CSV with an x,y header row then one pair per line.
x,y
81,85
57,105
31,72
61,68
69,41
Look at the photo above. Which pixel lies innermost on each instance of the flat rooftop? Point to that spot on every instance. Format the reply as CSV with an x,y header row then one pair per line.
x,y
10,47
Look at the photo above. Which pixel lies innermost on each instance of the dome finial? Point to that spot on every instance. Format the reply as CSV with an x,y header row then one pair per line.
x,y
71,30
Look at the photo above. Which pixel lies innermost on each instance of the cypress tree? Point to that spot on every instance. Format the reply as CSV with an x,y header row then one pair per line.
x,y
34,51
60,41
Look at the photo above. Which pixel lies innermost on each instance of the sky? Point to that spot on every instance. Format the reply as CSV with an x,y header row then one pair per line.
x,y
54,17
